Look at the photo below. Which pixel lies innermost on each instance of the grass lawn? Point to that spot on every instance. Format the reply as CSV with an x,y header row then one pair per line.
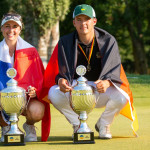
x,y
123,139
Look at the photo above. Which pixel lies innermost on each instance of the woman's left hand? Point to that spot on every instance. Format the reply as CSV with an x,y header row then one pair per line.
x,y
32,92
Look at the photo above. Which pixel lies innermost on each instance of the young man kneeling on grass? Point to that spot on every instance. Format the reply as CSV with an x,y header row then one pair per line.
x,y
98,51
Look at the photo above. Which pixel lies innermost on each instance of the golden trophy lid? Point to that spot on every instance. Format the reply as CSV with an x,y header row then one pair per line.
x,y
11,73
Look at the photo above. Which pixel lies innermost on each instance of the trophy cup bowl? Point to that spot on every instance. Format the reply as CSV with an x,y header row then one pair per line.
x,y
82,101
13,101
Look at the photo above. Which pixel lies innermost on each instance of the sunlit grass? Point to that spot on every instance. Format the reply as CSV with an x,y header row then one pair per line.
x,y
123,139
138,79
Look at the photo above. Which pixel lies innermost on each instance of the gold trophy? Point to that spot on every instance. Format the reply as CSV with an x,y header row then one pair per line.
x,y
13,101
82,101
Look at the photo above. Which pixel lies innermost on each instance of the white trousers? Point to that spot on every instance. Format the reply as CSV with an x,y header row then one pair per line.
x,y
112,99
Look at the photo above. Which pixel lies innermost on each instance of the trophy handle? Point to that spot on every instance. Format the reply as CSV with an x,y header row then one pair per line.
x,y
29,96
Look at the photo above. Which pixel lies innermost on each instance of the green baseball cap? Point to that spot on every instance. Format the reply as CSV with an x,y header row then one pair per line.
x,y
84,10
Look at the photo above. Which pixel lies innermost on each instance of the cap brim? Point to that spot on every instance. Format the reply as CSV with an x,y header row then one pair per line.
x,y
83,14
5,21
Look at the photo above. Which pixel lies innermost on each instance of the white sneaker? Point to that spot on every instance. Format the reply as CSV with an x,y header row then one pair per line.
x,y
30,133
4,131
104,131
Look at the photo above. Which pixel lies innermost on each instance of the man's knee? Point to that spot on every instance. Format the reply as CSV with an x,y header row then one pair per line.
x,y
53,92
121,101
57,97
117,103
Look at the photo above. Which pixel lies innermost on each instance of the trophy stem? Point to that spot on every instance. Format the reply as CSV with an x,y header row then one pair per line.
x,y
83,125
83,115
14,127
13,117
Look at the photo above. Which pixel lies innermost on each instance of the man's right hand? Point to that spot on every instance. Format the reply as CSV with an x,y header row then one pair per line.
x,y
64,86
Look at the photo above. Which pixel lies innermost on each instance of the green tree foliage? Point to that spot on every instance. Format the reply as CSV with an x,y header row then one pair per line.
x,y
47,12
127,20
41,18
4,8
130,19
44,13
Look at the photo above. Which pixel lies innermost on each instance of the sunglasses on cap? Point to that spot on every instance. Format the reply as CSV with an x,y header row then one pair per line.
x,y
10,16
16,18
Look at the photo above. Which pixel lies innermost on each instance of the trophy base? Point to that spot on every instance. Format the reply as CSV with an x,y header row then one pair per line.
x,y
84,138
14,140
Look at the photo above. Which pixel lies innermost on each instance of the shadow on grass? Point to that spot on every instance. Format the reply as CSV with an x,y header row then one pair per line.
x,y
115,137
67,140
58,140
52,140
122,137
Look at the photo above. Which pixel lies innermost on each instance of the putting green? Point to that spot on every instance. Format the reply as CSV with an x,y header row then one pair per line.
x,y
123,139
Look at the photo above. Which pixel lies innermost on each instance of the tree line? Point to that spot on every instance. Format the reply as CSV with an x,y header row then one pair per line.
x,y
127,20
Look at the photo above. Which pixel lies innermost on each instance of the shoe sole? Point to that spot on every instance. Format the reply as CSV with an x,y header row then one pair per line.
x,y
104,138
